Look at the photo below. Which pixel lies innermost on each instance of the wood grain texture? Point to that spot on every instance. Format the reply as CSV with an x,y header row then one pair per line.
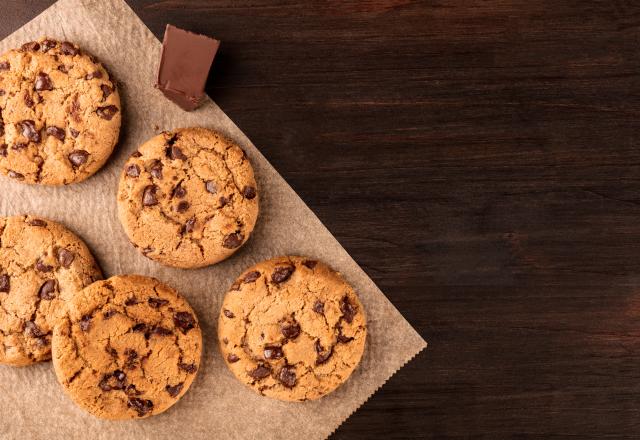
x,y
479,159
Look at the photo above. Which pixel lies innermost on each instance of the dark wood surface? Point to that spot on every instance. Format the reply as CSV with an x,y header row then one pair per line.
x,y
480,160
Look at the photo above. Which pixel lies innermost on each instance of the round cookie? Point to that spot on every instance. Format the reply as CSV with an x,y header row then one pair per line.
x,y
188,198
292,328
128,348
42,266
59,113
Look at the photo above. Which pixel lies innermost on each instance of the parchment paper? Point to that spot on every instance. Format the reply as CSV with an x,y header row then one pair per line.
x,y
32,404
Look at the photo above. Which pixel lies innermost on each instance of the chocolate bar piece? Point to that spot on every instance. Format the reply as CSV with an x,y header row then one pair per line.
x,y
184,66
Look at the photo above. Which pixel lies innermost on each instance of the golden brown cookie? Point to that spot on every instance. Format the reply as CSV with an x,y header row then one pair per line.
x,y
188,198
128,348
292,328
42,266
59,113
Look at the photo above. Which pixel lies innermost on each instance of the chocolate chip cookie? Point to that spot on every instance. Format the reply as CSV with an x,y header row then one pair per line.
x,y
188,198
292,328
59,113
42,266
129,347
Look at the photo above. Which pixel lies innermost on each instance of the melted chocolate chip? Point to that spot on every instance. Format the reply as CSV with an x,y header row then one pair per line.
x,y
107,112
15,175
156,169
318,307
131,302
78,158
56,132
211,187
97,74
182,206
133,170
249,192
142,406
4,65
2,92
37,222
68,48
41,267
132,358
228,313
32,330
176,153
184,321
106,91
342,338
131,390
28,130
3,149
232,241
323,356
108,314
62,68
85,323
161,331
174,390
74,132
273,352
189,368
48,290
48,45
5,284
178,192
75,108
260,372
149,197
287,376
20,146
310,263
231,358
138,328
65,257
188,226
251,277
30,46
348,310
43,82
290,330
28,100
156,303
282,273
223,201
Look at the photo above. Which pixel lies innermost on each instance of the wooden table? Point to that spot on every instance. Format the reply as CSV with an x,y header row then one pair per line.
x,y
480,160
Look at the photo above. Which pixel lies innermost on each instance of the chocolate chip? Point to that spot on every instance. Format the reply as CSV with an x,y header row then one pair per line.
x,y
182,206
287,376
322,356
174,390
56,132
3,149
37,222
48,45
20,146
231,358
348,310
189,368
65,257
75,108
5,284
131,302
342,338
290,330
161,331
282,273
2,127
62,68
223,201
251,277
108,314
68,48
85,323
179,192
318,307
28,130
133,170
310,263
142,406
2,92
211,187
41,267
78,157
188,226
184,321
107,112
149,195
228,313
131,390
176,153
15,175
249,192
132,358
260,372
43,82
32,45
140,327
28,100
156,169
47,290
106,91
232,241
97,74
112,351
74,132
273,352
156,303
4,65
32,330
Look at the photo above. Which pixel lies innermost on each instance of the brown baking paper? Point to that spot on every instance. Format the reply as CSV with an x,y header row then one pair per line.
x,y
33,405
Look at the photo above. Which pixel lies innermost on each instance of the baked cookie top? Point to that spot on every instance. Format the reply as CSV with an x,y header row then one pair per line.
x,y
59,113
292,328
128,348
188,198
42,266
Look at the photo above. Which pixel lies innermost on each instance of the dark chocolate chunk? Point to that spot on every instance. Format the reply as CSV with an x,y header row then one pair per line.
x,y
28,130
161,331
4,65
260,372
184,66
290,330
106,91
149,197
273,352
28,100
342,338
348,310
97,75
323,356
32,330
189,368
37,222
41,267
249,192
74,132
15,175
78,157
132,358
2,92
131,302
156,169
5,283
109,313
48,290
176,153
142,406
228,313
56,132
20,146
156,303
65,257
174,390
62,68
3,149
287,376
68,48
31,46
85,323
107,112
43,82
131,390
318,307
231,358
211,187
184,321
310,263
75,109
232,241
48,45
182,206
282,273
251,277
133,170
223,201
179,192
139,327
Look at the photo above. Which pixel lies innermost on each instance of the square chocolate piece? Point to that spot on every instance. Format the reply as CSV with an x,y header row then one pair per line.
x,y
184,66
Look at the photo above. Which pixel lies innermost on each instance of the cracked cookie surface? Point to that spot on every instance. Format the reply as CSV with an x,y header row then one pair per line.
x,y
59,113
188,198
42,266
128,348
291,328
